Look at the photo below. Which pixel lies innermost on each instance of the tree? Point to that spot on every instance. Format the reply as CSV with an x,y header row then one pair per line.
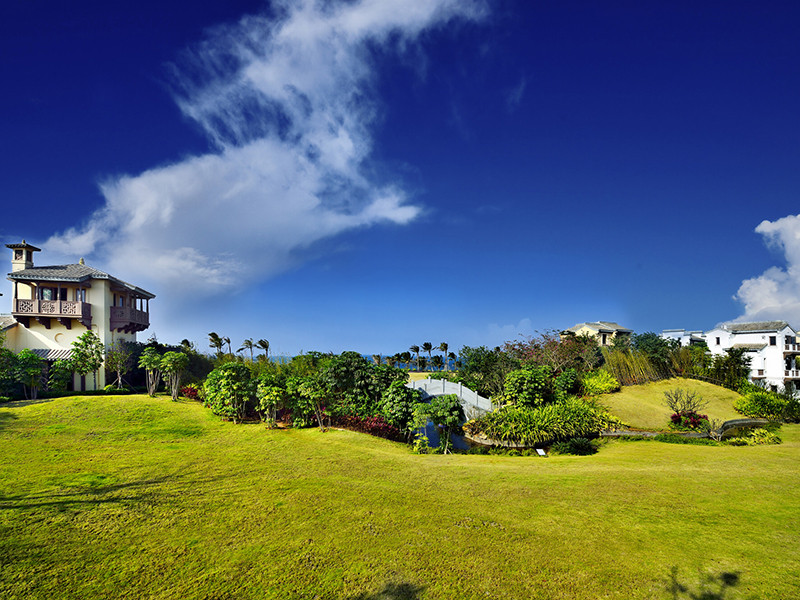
x,y
657,349
150,361
427,347
227,340
173,364
579,352
377,359
437,362
228,390
248,345
87,354
118,360
443,347
264,345
216,342
60,375
8,361
28,371
415,350
446,413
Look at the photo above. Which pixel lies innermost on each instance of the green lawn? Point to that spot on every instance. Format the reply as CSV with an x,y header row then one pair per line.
x,y
642,406
132,497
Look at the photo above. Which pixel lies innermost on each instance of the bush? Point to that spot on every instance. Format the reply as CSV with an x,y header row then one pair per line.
x,y
579,446
5,399
756,437
673,438
191,391
762,404
375,425
529,387
570,418
397,405
599,382
690,421
229,389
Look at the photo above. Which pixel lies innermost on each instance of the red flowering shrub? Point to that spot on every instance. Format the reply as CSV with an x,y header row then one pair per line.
x,y
689,420
373,425
191,391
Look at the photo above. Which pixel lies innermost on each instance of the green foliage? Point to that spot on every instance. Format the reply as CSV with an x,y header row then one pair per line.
x,y
674,438
8,379
28,372
87,354
756,437
60,375
150,361
397,406
531,386
630,367
764,404
446,413
270,396
658,350
599,382
118,359
173,364
571,417
556,351
732,368
484,370
691,360
579,446
228,390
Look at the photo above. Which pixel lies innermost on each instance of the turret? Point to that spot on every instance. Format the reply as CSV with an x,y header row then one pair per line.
x,y
22,256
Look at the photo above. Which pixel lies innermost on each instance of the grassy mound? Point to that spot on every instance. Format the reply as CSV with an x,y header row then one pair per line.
x,y
133,497
642,406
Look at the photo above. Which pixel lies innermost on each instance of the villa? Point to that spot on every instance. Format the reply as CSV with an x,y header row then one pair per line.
x,y
771,345
604,331
52,305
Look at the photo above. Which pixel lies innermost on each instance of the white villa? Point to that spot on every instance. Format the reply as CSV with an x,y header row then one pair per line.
x,y
52,305
603,331
771,345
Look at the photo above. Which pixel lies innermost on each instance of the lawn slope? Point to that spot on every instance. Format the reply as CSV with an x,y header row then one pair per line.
x,y
133,497
642,406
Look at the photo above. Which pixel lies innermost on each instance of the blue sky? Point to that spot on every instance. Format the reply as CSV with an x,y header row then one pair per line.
x,y
369,175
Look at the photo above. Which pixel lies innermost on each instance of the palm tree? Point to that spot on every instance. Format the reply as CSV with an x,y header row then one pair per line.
x,y
248,345
415,350
422,364
405,357
214,341
443,347
452,356
437,362
377,359
264,345
227,340
427,347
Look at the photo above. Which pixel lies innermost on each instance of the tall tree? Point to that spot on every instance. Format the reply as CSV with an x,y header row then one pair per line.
x,y
216,342
443,347
227,340
29,372
118,360
150,361
248,345
87,354
427,347
173,364
264,345
415,350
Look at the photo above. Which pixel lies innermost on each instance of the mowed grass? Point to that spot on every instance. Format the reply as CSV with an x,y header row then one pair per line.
x,y
133,497
643,407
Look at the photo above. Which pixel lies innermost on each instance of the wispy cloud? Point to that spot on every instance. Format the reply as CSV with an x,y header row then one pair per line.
x,y
515,94
288,103
775,294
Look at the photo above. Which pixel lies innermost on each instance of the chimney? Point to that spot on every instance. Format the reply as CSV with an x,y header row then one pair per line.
x,y
22,257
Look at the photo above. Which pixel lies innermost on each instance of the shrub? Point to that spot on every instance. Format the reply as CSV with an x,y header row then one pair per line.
x,y
228,390
191,391
761,404
397,405
375,425
690,421
5,399
756,437
579,446
570,418
599,382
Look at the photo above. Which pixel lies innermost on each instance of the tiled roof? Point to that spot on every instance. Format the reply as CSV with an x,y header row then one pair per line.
x,y
605,326
753,346
7,321
757,326
73,274
51,354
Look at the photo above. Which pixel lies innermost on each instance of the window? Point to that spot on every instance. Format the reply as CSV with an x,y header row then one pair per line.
x,y
17,254
717,341
788,340
80,295
773,339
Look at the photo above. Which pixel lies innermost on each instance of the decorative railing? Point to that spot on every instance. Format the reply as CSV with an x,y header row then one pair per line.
x,y
792,373
122,316
52,308
791,348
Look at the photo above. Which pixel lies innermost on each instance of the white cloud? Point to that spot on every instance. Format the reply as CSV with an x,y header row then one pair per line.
x,y
289,106
515,94
775,294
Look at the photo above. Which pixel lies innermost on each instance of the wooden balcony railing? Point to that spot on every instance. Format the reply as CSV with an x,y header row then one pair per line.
x,y
126,318
792,373
791,348
44,310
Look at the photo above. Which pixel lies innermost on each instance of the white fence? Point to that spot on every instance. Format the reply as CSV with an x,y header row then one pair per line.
x,y
473,404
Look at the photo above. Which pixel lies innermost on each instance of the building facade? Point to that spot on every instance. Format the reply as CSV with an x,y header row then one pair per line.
x,y
771,345
51,306
603,331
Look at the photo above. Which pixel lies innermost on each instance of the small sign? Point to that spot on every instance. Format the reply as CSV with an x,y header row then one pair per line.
x,y
541,452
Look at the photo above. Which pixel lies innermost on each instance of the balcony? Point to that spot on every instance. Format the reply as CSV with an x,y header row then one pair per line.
x,y
128,319
793,373
791,348
45,310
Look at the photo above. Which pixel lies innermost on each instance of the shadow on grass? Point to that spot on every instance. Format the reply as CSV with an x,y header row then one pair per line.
x,y
21,403
91,491
709,587
5,417
393,591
